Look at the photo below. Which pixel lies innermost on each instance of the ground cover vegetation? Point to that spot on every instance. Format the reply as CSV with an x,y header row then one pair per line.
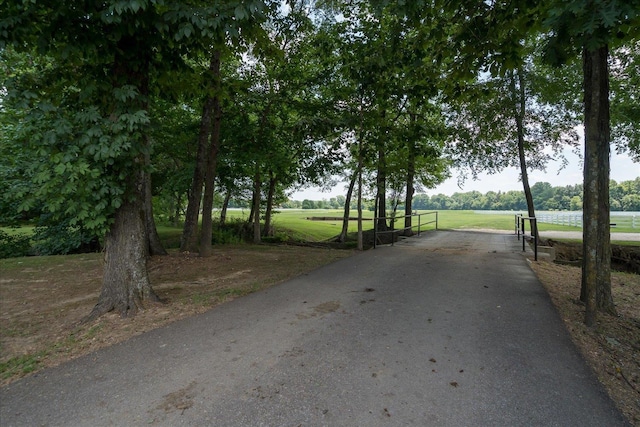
x,y
183,102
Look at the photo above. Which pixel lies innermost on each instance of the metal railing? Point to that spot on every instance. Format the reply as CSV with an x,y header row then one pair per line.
x,y
396,231
520,229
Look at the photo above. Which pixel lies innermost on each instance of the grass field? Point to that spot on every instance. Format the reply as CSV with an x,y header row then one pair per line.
x,y
295,224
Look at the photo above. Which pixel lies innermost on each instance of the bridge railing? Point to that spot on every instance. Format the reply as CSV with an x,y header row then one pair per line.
x,y
397,231
521,230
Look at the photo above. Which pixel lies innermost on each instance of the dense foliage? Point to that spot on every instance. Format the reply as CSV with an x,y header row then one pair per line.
x,y
296,99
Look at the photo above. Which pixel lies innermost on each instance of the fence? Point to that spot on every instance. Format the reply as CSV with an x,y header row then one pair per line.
x,y
571,220
395,232
575,219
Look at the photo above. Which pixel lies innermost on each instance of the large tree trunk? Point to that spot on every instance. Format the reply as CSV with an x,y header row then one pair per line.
x,y
154,244
189,241
268,212
596,266
347,208
519,109
212,161
126,285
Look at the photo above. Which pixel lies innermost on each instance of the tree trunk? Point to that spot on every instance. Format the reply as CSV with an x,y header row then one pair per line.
x,y
125,285
519,110
360,237
596,266
212,160
154,245
347,208
189,241
267,215
411,174
408,201
253,206
381,184
225,206
257,184
360,167
177,210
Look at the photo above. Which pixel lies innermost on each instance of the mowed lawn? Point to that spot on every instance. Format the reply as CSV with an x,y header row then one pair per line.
x,y
298,222
299,225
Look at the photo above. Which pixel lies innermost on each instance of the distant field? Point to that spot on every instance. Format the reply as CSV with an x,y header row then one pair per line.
x,y
295,223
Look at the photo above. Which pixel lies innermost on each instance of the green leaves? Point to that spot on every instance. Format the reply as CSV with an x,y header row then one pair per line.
x,y
589,23
122,7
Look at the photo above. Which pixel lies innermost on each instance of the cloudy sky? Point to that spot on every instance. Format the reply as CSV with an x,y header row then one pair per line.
x,y
622,169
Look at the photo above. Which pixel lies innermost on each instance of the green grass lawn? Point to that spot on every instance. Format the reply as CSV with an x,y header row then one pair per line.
x,y
295,223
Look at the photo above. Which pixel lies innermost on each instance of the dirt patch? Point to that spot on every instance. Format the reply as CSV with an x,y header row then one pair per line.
x,y
179,400
43,299
612,347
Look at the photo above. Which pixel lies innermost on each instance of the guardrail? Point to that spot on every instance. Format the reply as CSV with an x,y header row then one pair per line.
x,y
395,232
520,229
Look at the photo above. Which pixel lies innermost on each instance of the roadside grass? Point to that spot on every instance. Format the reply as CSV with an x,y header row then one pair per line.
x,y
28,363
21,365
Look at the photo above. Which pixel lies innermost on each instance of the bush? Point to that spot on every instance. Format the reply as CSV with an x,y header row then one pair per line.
x,y
278,238
14,245
225,237
60,239
231,232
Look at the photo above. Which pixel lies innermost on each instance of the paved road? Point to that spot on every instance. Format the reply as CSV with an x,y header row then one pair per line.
x,y
448,329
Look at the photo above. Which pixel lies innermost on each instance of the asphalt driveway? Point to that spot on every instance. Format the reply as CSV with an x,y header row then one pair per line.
x,y
445,329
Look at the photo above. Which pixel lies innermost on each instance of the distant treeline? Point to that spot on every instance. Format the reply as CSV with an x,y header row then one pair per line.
x,y
625,196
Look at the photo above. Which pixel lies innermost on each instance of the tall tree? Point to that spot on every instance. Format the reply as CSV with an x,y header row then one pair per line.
x,y
510,120
190,237
590,27
90,118
212,156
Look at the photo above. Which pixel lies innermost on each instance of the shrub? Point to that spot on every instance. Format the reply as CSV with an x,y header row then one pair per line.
x,y
14,245
61,239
